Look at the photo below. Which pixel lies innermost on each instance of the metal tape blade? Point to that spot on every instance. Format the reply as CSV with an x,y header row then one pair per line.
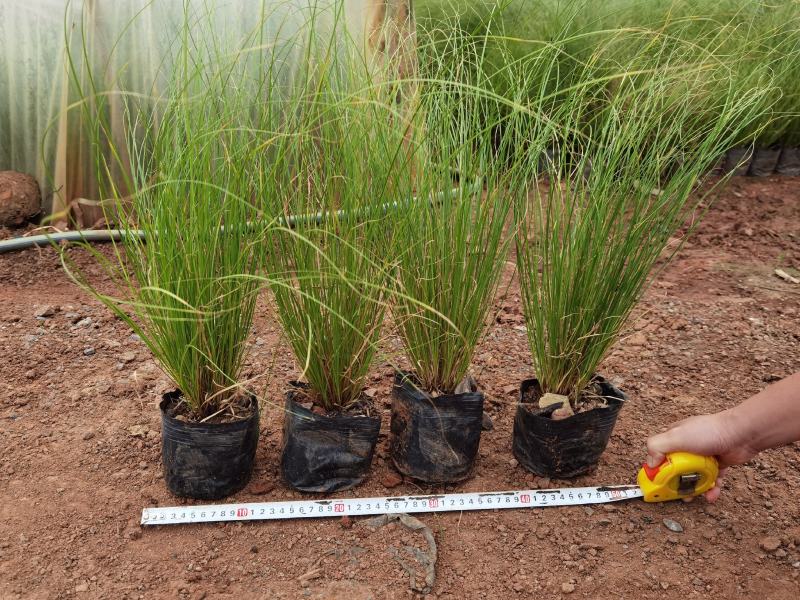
x,y
353,507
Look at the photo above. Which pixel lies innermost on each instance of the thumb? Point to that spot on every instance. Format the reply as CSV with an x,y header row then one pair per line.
x,y
657,448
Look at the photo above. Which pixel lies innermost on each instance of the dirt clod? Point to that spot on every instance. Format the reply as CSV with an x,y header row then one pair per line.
x,y
20,198
391,479
769,543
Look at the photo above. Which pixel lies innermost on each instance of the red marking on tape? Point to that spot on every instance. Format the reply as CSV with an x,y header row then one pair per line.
x,y
433,503
242,512
524,498
338,507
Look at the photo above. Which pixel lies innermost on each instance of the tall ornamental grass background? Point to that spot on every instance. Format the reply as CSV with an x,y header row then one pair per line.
x,y
741,35
592,231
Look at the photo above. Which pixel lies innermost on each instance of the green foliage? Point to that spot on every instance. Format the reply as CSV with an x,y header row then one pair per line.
x,y
339,159
452,249
591,234
746,38
189,288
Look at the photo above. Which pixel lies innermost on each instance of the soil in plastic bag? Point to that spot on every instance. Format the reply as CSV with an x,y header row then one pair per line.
x,y
567,447
325,453
789,162
733,158
207,461
764,161
434,439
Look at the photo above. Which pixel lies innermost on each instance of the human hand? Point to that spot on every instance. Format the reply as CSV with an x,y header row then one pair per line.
x,y
716,435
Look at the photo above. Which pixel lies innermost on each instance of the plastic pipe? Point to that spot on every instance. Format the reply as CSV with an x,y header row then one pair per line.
x,y
116,235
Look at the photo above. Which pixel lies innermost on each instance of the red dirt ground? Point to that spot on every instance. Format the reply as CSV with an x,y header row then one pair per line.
x,y
80,454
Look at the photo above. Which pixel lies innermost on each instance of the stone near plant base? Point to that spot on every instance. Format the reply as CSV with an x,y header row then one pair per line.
x,y
549,399
19,198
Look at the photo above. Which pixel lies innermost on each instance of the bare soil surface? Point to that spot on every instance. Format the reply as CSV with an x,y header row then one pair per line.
x,y
80,450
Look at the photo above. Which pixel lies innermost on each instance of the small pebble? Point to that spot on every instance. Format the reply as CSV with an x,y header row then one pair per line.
x,y
673,525
88,435
567,588
769,544
391,479
88,351
45,312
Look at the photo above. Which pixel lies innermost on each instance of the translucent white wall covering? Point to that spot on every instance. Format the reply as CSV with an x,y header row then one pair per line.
x,y
129,48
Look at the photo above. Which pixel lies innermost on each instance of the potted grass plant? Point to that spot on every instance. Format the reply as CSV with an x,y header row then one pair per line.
x,y
185,269
451,256
339,168
587,246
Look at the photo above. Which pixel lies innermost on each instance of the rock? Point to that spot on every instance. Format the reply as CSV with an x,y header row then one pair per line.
x,y
133,533
769,543
391,479
673,525
346,522
486,422
550,399
139,431
511,389
85,322
19,198
780,553
567,588
89,351
637,339
128,357
82,588
564,412
371,392
513,463
45,311
260,488
88,435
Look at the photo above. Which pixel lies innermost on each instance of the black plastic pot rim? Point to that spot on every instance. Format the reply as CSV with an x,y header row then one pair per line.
x,y
305,413
177,394
412,380
526,383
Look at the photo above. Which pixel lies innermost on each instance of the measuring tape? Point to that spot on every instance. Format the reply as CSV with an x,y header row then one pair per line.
x,y
358,507
680,475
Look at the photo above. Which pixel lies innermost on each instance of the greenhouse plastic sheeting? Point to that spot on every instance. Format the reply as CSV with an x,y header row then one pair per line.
x,y
128,46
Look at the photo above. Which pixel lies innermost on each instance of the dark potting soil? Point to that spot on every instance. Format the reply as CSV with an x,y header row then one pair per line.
x,y
590,398
363,407
237,408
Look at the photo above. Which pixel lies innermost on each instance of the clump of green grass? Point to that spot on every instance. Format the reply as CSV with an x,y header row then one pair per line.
x,y
592,232
452,251
340,163
189,287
